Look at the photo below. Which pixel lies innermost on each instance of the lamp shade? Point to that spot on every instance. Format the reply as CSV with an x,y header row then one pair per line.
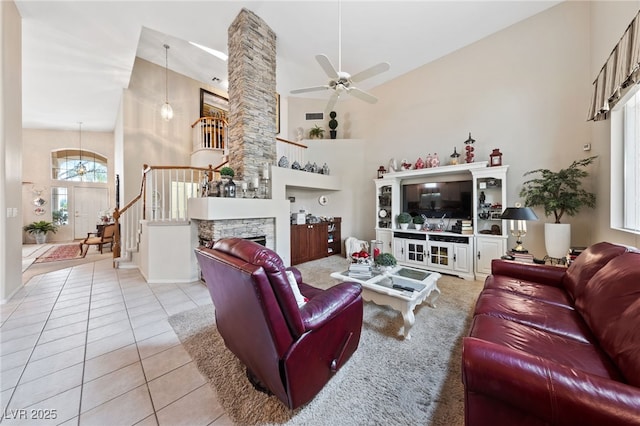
x,y
519,213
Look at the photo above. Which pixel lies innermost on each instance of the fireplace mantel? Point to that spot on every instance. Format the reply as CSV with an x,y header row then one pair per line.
x,y
216,208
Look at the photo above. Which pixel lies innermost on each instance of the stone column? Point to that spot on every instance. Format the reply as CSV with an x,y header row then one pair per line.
x,y
252,92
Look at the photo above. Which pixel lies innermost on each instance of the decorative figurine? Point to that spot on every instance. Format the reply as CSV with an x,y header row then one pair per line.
x,y
469,149
435,161
419,163
495,158
455,157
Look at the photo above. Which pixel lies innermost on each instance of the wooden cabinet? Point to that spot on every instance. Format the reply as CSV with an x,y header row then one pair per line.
x,y
315,240
334,238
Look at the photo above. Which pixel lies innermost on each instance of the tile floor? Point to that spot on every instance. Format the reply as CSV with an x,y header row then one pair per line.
x,y
91,345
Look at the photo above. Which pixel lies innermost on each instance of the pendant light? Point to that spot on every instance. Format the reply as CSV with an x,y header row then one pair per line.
x,y
166,111
80,168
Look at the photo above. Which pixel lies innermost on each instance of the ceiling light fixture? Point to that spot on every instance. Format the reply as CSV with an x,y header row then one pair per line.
x,y
166,111
218,54
80,168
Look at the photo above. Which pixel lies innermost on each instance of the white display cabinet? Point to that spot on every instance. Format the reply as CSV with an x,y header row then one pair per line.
x,y
468,256
490,200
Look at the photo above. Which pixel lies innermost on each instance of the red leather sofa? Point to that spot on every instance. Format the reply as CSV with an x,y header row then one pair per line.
x,y
557,346
291,351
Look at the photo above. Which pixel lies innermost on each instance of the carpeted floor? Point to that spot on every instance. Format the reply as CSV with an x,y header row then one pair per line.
x,y
387,381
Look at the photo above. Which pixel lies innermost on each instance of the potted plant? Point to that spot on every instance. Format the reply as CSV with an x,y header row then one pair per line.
x,y
418,221
404,219
316,133
559,193
333,124
227,187
40,230
227,172
385,261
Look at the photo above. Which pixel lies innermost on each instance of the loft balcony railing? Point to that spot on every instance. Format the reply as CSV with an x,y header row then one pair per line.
x,y
294,151
211,133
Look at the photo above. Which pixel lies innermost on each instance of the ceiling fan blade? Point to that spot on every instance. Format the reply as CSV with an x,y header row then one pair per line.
x,y
332,101
326,65
310,89
370,72
362,95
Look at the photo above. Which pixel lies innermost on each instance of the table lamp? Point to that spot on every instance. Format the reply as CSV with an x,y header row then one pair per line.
x,y
521,215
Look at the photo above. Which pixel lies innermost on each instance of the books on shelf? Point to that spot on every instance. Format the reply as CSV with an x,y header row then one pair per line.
x,y
464,227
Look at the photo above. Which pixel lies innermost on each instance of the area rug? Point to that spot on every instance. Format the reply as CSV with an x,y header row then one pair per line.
x,y
388,380
62,252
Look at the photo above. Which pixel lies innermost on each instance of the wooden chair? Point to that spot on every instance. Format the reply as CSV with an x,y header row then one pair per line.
x,y
100,240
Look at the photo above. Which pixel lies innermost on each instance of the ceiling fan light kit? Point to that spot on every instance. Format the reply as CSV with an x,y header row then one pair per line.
x,y
340,81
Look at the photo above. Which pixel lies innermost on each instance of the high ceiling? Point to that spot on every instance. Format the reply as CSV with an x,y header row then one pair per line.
x,y
78,55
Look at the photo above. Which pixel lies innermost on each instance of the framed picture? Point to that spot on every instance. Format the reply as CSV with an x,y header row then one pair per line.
x,y
211,102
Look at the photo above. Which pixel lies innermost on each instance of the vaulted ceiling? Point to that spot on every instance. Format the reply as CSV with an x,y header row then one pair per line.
x,y
78,55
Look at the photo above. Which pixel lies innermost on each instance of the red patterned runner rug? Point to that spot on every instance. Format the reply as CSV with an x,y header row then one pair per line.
x,y
63,252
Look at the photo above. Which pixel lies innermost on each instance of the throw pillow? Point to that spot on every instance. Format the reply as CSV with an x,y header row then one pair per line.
x,y
296,291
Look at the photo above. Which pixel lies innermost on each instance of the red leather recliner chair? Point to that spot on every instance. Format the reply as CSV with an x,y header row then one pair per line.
x,y
292,351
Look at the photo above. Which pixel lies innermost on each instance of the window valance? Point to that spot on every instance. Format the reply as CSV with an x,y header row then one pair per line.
x,y
621,70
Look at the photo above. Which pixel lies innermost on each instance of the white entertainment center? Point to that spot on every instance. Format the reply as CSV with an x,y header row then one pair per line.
x,y
465,255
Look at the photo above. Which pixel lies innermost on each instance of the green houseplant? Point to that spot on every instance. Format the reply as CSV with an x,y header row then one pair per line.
x,y
333,125
40,230
227,171
316,132
559,193
404,219
418,221
385,259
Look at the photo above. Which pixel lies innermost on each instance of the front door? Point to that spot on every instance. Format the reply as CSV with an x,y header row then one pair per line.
x,y
88,203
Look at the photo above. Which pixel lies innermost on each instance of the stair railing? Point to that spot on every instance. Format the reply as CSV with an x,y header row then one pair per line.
x,y
163,197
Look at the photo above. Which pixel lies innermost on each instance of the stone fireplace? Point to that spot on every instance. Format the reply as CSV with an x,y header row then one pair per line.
x,y
252,137
213,230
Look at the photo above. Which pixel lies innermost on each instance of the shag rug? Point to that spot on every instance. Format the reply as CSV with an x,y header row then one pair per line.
x,y
388,380
63,252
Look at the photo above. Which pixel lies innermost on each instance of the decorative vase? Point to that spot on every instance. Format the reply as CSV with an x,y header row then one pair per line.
x,y
41,237
418,226
333,133
404,226
557,239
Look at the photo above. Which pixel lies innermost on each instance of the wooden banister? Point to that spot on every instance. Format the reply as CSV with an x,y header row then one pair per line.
x,y
292,143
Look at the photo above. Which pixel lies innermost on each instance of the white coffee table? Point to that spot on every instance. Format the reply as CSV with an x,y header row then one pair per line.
x,y
412,287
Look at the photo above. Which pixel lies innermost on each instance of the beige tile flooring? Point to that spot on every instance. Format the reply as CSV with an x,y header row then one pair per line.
x,y
91,345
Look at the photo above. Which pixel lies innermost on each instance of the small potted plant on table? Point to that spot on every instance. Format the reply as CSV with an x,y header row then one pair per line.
x,y
385,261
418,221
404,219
40,230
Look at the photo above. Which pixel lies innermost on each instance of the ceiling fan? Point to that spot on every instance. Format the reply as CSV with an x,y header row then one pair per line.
x,y
340,81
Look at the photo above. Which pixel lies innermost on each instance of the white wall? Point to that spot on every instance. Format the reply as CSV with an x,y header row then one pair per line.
x,y
344,158
148,138
524,90
36,172
10,149
608,22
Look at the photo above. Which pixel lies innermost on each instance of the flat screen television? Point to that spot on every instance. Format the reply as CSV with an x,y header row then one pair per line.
x,y
436,199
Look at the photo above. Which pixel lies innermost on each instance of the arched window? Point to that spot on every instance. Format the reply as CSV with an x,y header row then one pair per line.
x,y
79,166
